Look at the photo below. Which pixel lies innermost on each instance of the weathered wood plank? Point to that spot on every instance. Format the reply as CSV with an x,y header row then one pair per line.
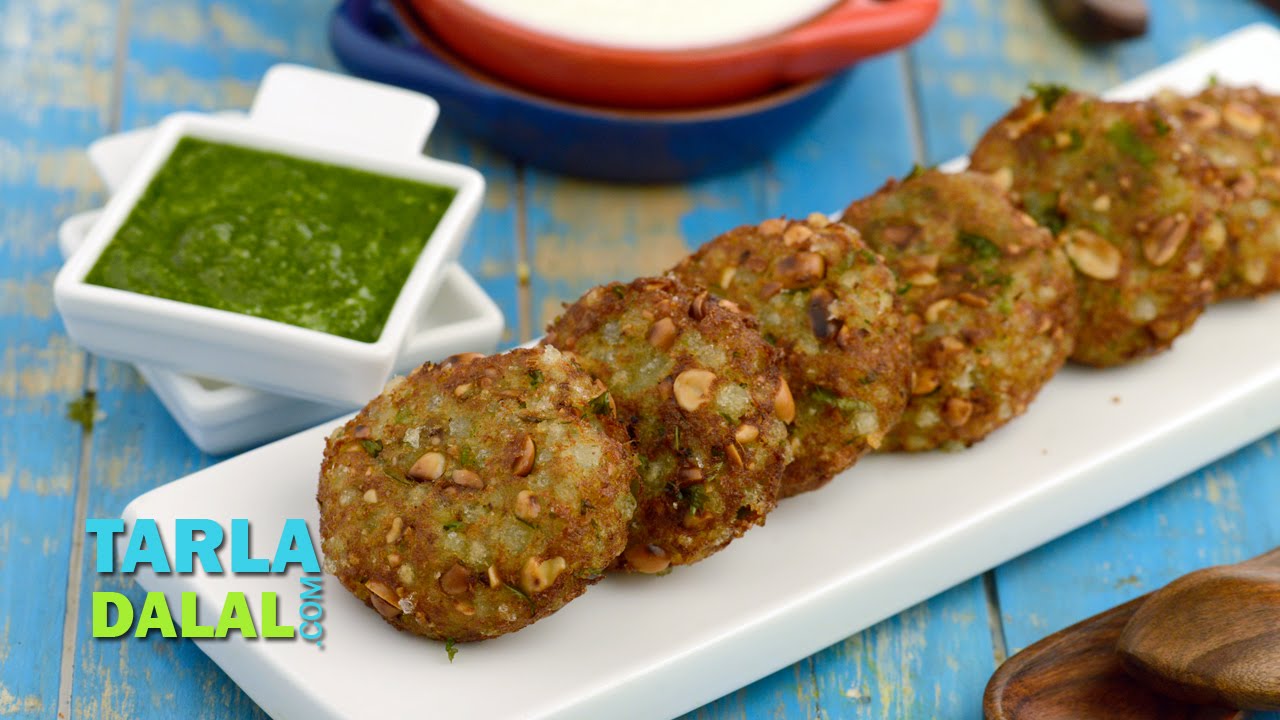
x,y
55,66
931,660
974,64
982,55
1224,513
967,72
582,234
180,55
208,56
492,254
136,447
864,138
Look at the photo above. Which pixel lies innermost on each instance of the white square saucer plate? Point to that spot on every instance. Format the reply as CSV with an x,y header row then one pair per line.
x,y
304,113
221,417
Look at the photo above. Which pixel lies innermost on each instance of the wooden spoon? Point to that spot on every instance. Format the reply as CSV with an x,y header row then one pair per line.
x,y
1212,636
1101,20
1076,673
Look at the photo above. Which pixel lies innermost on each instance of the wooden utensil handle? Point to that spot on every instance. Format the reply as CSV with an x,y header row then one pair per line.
x,y
1268,559
1212,636
1101,19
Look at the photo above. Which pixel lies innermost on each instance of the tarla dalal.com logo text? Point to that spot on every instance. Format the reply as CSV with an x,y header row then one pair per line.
x,y
196,542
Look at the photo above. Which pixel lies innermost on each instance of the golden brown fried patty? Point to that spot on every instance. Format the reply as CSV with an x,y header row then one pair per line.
x,y
477,496
701,395
1238,130
828,302
989,298
1133,206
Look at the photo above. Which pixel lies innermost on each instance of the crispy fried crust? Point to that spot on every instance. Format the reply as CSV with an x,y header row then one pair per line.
x,y
1238,130
1132,204
697,387
528,503
829,304
989,298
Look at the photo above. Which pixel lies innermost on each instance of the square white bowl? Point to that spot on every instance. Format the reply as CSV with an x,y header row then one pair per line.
x,y
253,351
221,418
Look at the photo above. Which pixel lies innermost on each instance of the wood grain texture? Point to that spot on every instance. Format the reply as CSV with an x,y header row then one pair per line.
x,y
968,70
1211,637
1221,514
200,55
137,447
53,79
187,55
1076,672
980,56
930,661
492,254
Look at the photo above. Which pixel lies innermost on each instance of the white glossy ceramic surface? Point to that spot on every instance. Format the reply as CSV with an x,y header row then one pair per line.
x,y
220,417
253,351
655,24
887,534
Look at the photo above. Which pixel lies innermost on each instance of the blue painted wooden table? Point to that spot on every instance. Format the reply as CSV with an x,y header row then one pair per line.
x,y
71,70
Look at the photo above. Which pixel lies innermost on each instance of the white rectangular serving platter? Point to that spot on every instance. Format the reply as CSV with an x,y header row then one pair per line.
x,y
887,534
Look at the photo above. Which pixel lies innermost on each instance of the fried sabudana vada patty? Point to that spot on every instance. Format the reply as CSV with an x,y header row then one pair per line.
x,y
989,297
1131,202
477,496
701,395
829,304
1238,130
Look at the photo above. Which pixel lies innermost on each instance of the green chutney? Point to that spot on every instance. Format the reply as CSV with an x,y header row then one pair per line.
x,y
306,243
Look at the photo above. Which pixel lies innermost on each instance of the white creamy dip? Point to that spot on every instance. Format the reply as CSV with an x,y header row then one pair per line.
x,y
655,24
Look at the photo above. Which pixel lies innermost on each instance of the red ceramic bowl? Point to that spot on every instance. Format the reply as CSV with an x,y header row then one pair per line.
x,y
620,77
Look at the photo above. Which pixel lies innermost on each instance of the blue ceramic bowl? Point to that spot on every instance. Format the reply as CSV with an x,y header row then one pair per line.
x,y
376,39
